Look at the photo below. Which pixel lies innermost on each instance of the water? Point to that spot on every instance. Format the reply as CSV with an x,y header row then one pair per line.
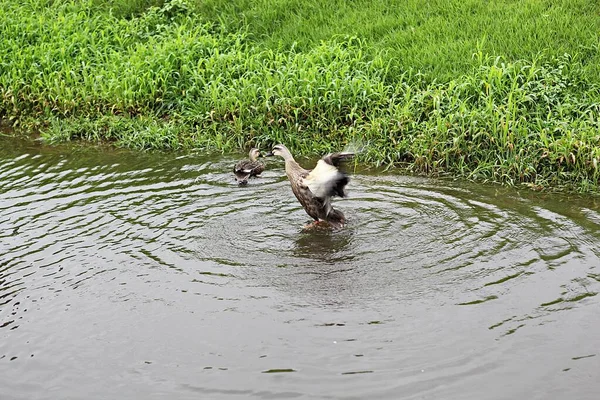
x,y
151,276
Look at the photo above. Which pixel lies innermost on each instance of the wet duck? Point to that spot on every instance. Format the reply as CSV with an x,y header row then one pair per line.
x,y
315,188
245,169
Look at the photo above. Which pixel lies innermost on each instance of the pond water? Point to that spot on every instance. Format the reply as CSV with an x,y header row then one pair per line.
x,y
148,276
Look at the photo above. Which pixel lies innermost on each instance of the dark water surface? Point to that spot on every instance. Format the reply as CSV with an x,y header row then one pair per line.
x,y
150,276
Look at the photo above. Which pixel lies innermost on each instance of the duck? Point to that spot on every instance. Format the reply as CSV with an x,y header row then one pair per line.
x,y
245,169
315,188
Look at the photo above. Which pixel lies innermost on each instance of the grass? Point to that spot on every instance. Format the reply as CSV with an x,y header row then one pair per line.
x,y
437,37
506,91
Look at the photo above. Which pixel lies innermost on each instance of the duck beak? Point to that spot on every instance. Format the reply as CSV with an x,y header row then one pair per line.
x,y
269,154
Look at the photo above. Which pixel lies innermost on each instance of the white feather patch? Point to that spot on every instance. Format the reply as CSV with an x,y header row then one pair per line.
x,y
321,179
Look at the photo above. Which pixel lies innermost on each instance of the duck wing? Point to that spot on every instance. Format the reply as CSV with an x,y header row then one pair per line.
x,y
326,179
246,168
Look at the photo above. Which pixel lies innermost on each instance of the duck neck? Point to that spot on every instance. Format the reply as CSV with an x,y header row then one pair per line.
x,y
287,157
291,165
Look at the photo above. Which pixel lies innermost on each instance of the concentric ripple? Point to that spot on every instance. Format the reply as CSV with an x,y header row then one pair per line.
x,y
126,275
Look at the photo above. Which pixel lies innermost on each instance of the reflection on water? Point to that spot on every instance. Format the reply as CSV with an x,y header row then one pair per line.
x,y
126,275
324,245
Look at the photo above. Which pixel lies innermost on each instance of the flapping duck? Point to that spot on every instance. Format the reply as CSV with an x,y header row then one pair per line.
x,y
315,188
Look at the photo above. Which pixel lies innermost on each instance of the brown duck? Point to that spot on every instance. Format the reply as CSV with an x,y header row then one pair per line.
x,y
315,188
245,169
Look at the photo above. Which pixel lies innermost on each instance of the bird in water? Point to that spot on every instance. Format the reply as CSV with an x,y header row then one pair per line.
x,y
315,188
245,169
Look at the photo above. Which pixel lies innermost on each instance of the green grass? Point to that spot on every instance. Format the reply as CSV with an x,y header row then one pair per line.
x,y
506,91
437,37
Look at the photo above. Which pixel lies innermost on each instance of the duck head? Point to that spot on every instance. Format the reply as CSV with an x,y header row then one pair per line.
x,y
254,154
282,151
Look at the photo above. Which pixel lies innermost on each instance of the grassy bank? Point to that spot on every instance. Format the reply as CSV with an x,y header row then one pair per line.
x,y
476,90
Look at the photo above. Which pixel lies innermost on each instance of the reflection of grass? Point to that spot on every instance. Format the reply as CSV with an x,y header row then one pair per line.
x,y
572,299
582,357
278,370
502,280
357,372
511,331
488,298
405,87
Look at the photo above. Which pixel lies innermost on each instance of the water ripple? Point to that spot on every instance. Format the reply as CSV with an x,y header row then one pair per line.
x,y
435,288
